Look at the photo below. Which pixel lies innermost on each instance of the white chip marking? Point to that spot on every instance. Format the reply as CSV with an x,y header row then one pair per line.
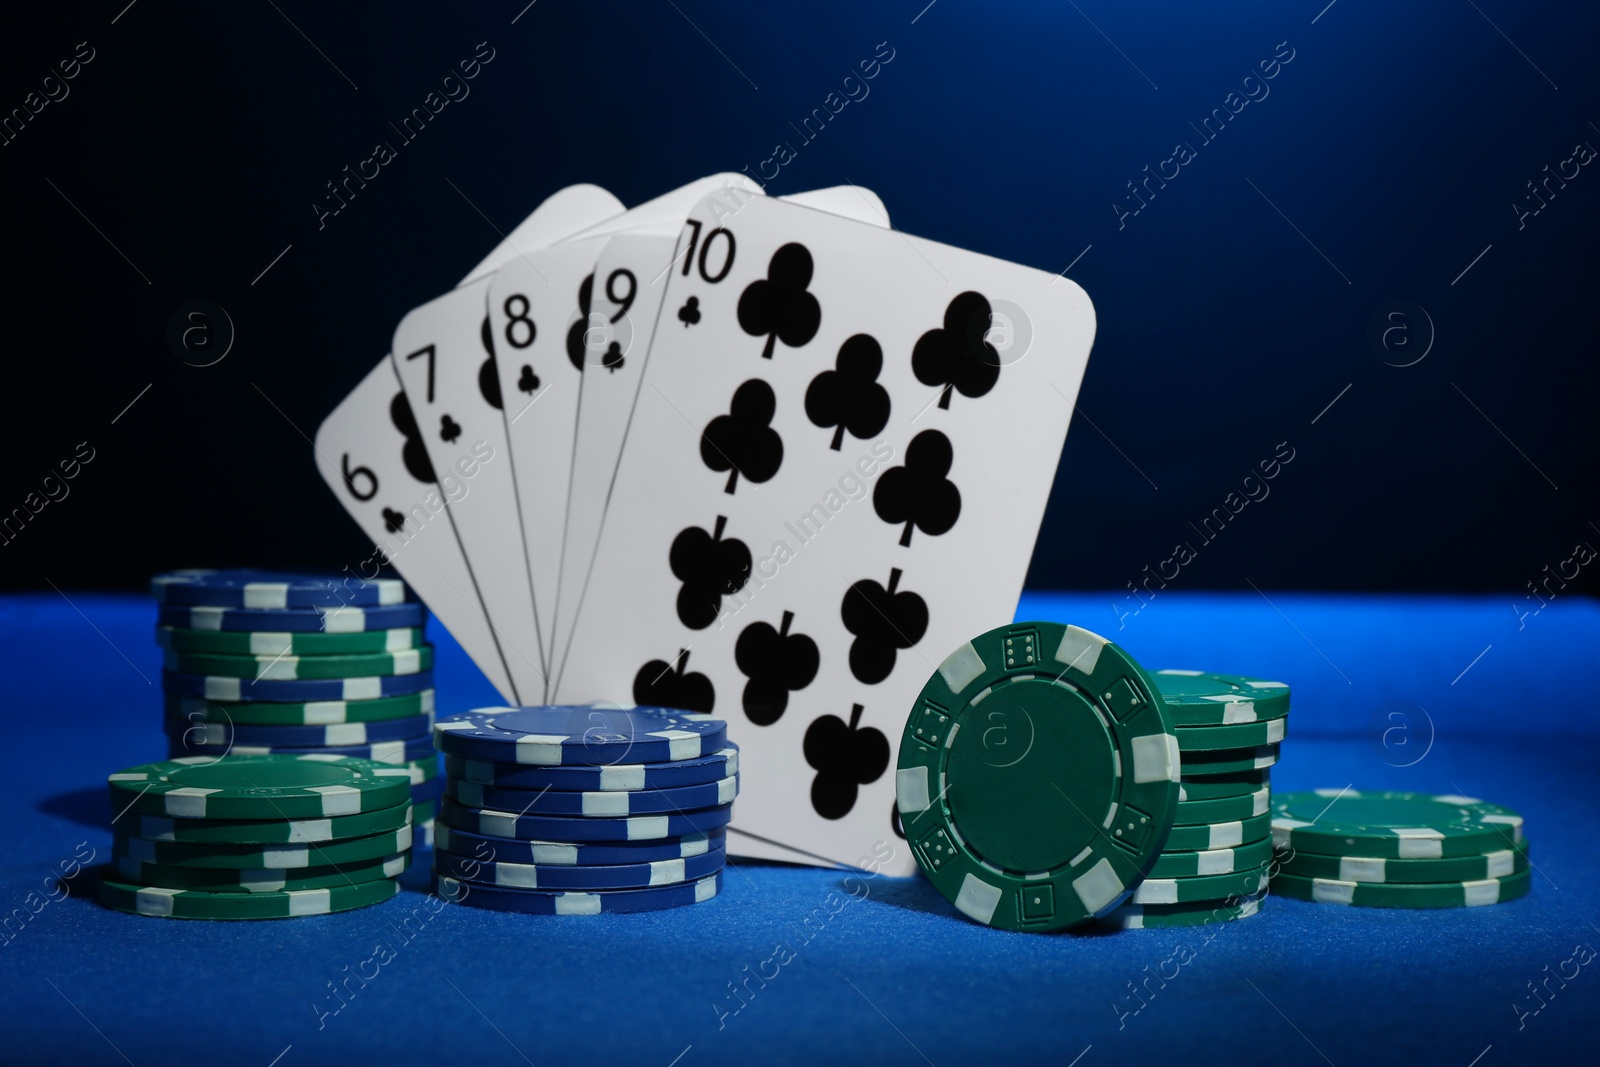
x,y
338,799
221,688
911,789
187,802
310,902
647,828
978,899
1080,649
1099,887
1226,835
343,620
155,901
1479,893
361,688
667,872
1328,891
605,803
1155,758
962,667
1362,869
577,904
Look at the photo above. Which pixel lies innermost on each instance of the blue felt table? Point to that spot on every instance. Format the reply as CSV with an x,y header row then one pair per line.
x,y
1439,695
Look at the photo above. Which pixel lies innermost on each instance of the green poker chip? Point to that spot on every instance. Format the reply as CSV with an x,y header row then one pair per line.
x,y
260,787
1224,809
1251,856
1229,761
1201,887
297,668
199,904
1195,698
1163,916
259,880
1239,735
1208,837
302,713
314,643
1220,786
262,857
1405,894
1038,776
270,831
1346,822
1372,869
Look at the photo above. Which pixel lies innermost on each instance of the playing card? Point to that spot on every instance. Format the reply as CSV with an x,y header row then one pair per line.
x,y
370,452
625,308
540,327
832,479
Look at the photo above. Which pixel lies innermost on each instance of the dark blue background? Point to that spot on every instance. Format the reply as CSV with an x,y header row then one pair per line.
x,y
1396,141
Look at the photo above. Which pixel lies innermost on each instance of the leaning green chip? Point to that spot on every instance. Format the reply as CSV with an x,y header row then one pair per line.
x,y
259,880
1238,735
1209,836
1195,698
1202,887
296,668
266,831
1404,894
262,857
312,643
1213,861
1229,761
1038,776
1374,869
1161,916
198,904
1224,809
260,787
1345,822
303,713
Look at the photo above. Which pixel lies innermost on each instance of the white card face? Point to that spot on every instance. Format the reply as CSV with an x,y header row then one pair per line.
x,y
539,322
635,267
442,355
370,453
366,424
831,480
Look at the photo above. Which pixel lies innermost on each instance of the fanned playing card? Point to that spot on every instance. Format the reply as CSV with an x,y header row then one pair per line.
x,y
833,476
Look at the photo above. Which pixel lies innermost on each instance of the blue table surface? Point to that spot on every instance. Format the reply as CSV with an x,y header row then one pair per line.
x,y
799,965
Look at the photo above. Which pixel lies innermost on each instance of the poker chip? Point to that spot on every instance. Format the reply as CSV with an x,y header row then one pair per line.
x,y
424,811
599,803
1224,809
1221,786
279,667
259,787
586,879
1238,735
533,902
1208,837
508,824
1195,698
579,734
1378,870
1164,916
1229,761
286,643
1038,776
269,831
338,735
200,904
1464,894
1201,887
575,853
260,880
1345,822
184,742
302,713
212,687
319,620
422,770
603,778
1251,856
256,590
243,857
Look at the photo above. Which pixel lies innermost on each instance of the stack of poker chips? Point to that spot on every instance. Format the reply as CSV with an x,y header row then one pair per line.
x,y
1397,850
582,810
256,837
1216,862
261,663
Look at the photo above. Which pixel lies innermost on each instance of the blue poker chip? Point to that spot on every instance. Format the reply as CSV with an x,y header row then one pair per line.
x,y
585,734
533,902
294,690
332,620
623,876
595,804
492,823
183,742
333,736
432,789
605,778
247,588
576,854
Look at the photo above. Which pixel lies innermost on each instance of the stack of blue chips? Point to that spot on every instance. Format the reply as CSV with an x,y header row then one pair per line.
x,y
263,662
583,809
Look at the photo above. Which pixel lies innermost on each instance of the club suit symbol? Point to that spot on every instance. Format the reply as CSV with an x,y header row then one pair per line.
x,y
957,358
669,685
709,568
742,441
845,756
883,621
778,306
919,494
777,663
849,396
